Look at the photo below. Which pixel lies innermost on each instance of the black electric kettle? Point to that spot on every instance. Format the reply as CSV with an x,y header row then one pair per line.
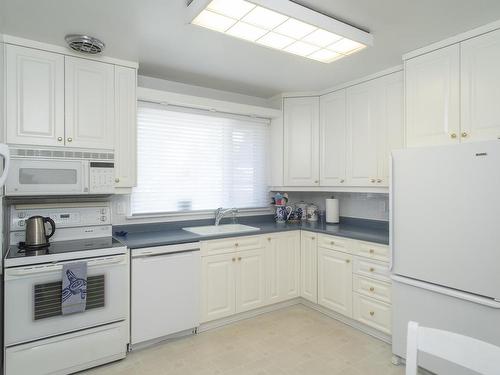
x,y
36,236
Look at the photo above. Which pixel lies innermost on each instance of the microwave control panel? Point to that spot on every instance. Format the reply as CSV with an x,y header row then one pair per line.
x,y
63,217
102,178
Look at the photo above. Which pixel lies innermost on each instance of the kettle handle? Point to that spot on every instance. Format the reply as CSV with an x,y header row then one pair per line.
x,y
52,224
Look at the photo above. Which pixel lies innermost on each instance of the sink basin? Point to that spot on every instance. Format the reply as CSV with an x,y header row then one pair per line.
x,y
214,230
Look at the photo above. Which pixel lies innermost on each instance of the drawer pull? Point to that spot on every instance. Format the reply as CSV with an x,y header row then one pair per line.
x,y
372,313
332,242
313,238
269,239
236,244
234,259
348,261
372,251
372,289
372,269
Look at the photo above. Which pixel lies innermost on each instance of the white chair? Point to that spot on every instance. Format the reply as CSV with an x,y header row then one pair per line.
x,y
465,351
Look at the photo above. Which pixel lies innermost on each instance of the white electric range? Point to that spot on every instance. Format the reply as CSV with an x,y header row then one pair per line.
x,y
38,338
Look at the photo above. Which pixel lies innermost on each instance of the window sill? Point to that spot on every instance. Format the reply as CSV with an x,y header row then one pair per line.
x,y
194,215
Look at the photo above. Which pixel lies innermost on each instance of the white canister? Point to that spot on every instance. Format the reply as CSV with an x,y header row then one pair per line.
x,y
312,212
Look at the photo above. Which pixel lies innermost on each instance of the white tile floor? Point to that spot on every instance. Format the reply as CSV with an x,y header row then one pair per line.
x,y
295,340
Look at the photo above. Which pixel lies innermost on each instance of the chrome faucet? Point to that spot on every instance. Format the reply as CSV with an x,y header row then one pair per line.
x,y
221,212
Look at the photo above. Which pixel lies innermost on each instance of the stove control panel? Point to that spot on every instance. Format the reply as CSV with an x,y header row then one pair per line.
x,y
64,217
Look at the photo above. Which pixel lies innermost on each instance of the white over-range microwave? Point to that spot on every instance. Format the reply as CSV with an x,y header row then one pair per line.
x,y
47,172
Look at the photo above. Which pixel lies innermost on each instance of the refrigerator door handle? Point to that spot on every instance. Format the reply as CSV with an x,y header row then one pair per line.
x,y
391,213
488,302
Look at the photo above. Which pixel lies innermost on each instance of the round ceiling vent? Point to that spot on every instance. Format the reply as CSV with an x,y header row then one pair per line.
x,y
85,44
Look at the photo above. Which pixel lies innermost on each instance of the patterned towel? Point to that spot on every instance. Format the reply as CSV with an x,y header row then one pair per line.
x,y
74,288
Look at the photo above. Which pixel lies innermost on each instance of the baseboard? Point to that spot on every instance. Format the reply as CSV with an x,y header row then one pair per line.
x,y
348,321
247,315
150,343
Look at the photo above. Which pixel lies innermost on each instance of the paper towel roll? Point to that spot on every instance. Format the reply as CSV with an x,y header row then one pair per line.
x,y
332,210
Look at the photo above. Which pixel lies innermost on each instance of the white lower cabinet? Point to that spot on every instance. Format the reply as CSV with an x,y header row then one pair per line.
x,y
282,266
335,281
373,313
309,266
250,280
218,286
347,276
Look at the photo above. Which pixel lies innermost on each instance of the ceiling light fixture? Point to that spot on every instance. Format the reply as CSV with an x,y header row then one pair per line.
x,y
282,25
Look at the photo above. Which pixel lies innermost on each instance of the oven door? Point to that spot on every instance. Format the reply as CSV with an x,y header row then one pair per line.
x,y
47,177
33,299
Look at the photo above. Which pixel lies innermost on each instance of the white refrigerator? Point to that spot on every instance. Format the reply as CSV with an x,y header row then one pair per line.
x,y
445,242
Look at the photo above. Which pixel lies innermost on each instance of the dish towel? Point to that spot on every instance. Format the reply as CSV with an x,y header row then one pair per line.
x,y
74,288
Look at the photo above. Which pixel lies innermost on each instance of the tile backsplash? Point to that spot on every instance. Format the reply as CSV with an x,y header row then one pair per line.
x,y
359,205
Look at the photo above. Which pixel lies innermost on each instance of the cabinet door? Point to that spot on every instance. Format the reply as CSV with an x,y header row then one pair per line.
x,y
480,88
391,126
283,266
218,286
333,139
125,127
432,98
90,103
335,281
34,97
308,267
363,126
301,136
250,280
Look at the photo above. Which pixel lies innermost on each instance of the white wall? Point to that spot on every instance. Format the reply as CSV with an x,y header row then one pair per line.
x,y
358,205
182,88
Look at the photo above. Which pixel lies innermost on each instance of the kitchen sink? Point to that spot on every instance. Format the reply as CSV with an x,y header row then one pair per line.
x,y
214,230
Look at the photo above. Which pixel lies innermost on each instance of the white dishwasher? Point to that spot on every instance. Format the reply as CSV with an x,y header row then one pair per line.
x,y
165,291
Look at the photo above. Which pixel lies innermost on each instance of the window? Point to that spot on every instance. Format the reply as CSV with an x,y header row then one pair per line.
x,y
193,160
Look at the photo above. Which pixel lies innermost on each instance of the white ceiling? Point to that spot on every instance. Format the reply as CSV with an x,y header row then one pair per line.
x,y
153,32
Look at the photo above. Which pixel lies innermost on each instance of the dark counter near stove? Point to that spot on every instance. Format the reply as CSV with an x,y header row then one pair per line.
x,y
136,236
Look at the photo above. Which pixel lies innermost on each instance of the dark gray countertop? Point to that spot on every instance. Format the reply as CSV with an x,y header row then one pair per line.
x,y
158,234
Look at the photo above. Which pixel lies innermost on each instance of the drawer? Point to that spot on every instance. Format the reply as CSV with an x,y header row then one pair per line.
x,y
373,251
373,313
372,269
335,243
372,288
229,245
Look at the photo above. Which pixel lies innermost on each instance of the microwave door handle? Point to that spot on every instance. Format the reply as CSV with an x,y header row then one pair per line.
x,y
4,151
86,176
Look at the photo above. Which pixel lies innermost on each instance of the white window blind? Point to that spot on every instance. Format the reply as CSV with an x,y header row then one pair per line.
x,y
192,160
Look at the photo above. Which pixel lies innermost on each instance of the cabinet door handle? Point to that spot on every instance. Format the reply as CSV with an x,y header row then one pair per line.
x,y
70,139
379,181
348,261
453,135
117,179
239,259
316,182
372,289
236,244
332,242
234,259
342,181
269,239
372,180
372,269
372,313
465,135
372,251
60,139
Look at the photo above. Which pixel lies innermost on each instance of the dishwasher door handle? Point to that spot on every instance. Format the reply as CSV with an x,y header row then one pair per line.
x,y
165,250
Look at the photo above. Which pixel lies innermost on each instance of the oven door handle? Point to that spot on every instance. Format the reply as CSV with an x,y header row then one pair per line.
x,y
58,267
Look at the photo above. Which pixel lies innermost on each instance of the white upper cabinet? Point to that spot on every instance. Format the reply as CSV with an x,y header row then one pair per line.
x,y
301,141
333,139
34,97
90,103
125,134
391,129
480,88
433,97
363,133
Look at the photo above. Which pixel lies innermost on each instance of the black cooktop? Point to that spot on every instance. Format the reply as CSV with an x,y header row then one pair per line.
x,y
61,247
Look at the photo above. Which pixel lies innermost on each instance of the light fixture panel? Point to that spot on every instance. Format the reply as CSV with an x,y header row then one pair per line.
x,y
281,25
